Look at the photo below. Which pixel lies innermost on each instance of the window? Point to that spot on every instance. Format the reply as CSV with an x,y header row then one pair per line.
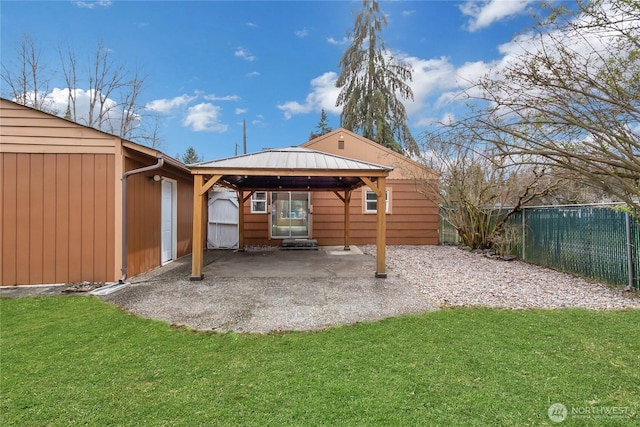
x,y
371,201
259,202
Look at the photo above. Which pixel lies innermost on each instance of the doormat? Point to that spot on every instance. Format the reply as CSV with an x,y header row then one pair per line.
x,y
308,244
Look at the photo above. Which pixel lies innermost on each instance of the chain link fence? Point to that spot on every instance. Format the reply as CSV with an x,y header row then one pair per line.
x,y
596,241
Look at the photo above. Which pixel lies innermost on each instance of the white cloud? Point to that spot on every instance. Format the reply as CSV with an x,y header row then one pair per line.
x,y
447,118
323,95
259,121
408,12
253,74
483,13
204,117
92,4
213,97
166,105
294,107
302,33
430,76
344,40
244,54
58,99
251,24
241,111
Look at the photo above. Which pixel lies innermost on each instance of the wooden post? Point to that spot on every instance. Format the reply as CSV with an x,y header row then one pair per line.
x,y
381,244
347,221
196,243
240,220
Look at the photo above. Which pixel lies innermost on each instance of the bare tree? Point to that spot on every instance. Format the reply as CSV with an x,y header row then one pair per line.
x,y
104,78
148,133
112,95
128,109
478,189
109,103
572,98
70,70
28,80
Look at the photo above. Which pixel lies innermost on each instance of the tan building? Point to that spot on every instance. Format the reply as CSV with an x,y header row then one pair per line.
x,y
63,217
411,218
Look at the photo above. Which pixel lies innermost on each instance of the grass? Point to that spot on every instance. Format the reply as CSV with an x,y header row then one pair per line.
x,y
79,361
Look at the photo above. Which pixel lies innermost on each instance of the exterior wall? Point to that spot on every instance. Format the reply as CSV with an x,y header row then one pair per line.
x,y
256,226
56,201
25,130
61,201
412,220
143,214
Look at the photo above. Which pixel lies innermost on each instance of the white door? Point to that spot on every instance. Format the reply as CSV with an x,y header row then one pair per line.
x,y
222,230
168,221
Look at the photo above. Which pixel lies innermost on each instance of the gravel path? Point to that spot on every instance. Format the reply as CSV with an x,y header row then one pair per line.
x,y
449,276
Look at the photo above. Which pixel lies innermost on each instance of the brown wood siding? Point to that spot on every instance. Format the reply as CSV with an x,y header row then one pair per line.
x,y
144,215
185,215
256,227
143,219
25,130
55,216
413,219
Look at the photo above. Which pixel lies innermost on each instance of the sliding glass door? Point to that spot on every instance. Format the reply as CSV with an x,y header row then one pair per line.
x,y
289,214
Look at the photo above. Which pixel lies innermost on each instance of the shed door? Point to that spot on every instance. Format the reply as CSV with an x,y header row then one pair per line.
x,y
222,232
168,221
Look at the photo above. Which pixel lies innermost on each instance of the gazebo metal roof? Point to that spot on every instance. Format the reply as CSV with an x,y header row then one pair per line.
x,y
293,168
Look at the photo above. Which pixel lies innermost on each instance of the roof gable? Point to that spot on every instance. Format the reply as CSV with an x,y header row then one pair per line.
x,y
363,149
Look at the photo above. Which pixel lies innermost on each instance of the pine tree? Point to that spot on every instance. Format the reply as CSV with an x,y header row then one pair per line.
x,y
371,78
322,127
190,156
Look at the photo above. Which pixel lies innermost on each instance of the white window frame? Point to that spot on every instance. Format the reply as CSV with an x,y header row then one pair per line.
x,y
365,201
255,200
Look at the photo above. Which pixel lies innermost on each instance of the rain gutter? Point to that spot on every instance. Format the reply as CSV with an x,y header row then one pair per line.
x,y
125,230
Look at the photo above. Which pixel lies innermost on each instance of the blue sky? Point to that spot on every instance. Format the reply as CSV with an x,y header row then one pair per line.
x,y
212,64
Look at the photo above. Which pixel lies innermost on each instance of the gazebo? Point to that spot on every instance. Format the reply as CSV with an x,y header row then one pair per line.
x,y
288,169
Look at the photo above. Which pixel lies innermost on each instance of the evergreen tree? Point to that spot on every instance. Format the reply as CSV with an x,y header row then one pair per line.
x,y
371,80
190,156
322,128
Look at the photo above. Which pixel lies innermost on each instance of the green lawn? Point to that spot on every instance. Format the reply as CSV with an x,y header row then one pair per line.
x,y
79,361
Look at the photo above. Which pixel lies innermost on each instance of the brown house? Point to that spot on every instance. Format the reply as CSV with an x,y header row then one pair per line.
x,y
411,219
63,217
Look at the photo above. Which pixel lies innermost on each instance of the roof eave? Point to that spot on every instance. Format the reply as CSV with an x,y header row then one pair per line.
x,y
290,172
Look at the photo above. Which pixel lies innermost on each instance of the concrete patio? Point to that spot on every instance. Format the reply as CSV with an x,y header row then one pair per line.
x,y
265,290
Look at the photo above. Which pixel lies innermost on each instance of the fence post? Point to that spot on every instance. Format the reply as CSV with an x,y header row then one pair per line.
x,y
523,233
629,250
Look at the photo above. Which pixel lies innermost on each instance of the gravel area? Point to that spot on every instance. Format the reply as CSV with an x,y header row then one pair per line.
x,y
449,276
